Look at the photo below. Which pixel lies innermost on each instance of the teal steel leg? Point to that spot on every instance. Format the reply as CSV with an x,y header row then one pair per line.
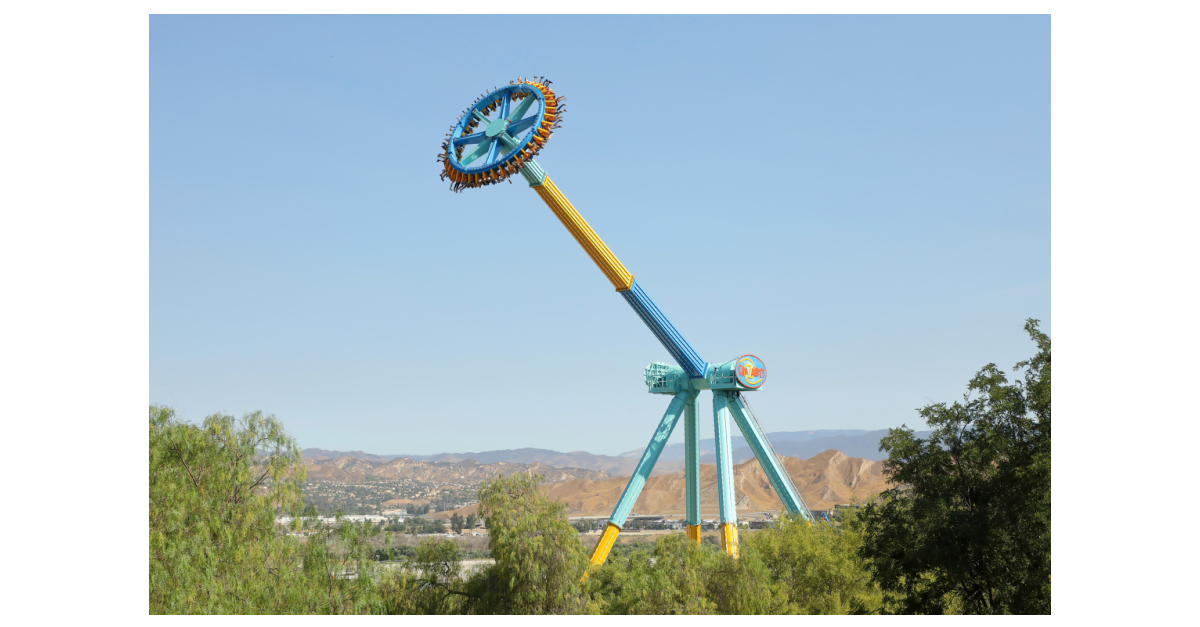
x,y
767,458
649,457
724,457
691,432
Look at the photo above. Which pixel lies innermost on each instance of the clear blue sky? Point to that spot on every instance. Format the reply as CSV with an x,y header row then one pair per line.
x,y
863,202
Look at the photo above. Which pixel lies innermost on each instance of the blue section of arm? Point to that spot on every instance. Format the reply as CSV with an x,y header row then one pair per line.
x,y
662,328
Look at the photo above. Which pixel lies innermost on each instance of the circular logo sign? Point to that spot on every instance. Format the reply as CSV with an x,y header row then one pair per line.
x,y
750,371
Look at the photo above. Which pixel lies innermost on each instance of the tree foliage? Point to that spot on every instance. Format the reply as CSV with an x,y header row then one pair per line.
x,y
791,568
667,577
431,584
967,527
539,558
215,491
216,488
817,565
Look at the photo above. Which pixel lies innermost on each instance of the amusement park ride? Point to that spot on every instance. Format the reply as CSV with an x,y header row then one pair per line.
x,y
498,137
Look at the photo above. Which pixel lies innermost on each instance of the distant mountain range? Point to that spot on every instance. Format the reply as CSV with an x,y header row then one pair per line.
x,y
350,469
802,444
576,459
546,457
675,451
858,443
320,453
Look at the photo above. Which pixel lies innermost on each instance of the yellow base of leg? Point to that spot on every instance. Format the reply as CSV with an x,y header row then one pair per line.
x,y
693,533
729,539
600,553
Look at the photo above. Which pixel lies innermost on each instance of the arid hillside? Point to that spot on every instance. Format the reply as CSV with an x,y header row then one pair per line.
x,y
825,480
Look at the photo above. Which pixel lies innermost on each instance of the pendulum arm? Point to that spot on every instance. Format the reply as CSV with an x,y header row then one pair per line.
x,y
691,431
721,403
765,453
615,271
640,475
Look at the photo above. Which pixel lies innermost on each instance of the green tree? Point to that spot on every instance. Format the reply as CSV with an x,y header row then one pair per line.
x,y
215,490
818,568
456,522
472,521
538,555
341,572
668,577
744,585
967,527
793,568
432,583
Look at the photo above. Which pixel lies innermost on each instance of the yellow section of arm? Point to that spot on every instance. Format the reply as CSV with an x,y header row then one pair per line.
x,y
587,238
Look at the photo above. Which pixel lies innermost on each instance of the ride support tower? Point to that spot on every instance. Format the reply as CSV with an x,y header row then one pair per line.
x,y
483,150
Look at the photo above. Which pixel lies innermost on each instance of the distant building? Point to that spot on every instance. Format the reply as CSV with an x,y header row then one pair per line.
x,y
837,509
330,520
371,518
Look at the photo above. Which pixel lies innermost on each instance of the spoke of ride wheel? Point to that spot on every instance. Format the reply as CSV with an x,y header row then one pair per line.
x,y
519,112
491,155
504,100
481,117
473,138
480,150
522,126
507,141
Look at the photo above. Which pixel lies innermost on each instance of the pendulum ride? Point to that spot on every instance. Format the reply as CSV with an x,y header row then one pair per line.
x,y
497,137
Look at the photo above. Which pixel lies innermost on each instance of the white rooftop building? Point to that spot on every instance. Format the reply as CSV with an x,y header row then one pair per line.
x,y
355,518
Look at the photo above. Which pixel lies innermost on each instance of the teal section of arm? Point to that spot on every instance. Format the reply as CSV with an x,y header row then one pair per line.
x,y
721,404
765,453
691,427
533,173
649,458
